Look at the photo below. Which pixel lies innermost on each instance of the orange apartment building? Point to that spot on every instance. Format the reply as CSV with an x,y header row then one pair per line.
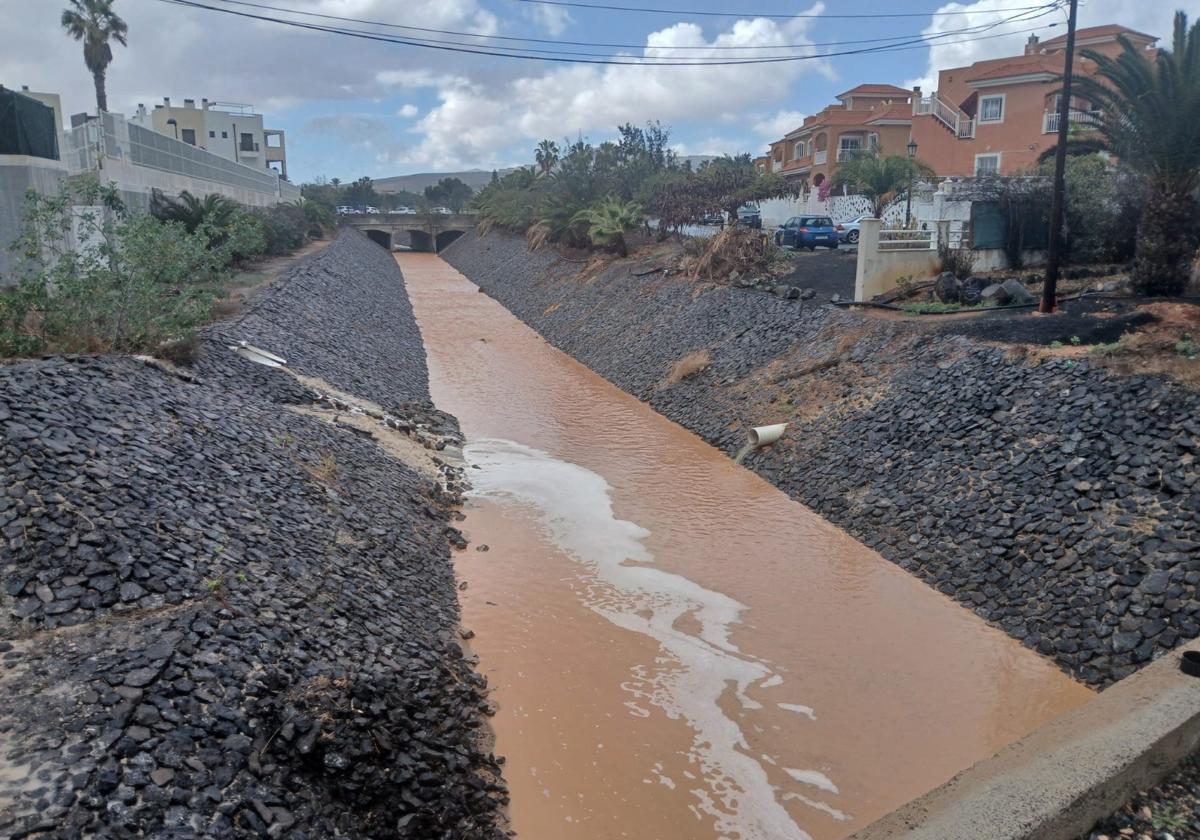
x,y
869,117
998,116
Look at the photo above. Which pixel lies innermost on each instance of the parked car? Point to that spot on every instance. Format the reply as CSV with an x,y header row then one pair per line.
x,y
713,217
749,216
807,232
345,210
444,211
372,210
848,231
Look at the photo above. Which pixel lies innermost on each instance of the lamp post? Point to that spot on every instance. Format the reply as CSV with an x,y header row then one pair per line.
x,y
912,155
175,125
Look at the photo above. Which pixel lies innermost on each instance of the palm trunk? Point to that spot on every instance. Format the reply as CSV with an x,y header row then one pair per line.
x,y
101,94
1166,242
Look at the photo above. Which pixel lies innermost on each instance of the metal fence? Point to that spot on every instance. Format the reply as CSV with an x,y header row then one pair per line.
x,y
116,138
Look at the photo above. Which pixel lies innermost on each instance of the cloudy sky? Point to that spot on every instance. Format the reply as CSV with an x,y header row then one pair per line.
x,y
355,107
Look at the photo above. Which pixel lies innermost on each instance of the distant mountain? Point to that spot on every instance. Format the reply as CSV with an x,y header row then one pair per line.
x,y
473,178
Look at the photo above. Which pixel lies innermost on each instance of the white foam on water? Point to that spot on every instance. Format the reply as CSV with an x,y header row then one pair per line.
x,y
814,778
574,507
798,709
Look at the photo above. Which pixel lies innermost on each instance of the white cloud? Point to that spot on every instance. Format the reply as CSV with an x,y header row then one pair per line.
x,y
408,111
772,127
553,19
473,121
1150,16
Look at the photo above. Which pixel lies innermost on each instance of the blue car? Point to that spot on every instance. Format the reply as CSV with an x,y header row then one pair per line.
x,y
807,232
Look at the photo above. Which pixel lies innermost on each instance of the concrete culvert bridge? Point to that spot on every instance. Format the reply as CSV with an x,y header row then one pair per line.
x,y
380,237
444,238
420,240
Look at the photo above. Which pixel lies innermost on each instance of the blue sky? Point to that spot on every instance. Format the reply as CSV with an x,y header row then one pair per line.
x,y
352,107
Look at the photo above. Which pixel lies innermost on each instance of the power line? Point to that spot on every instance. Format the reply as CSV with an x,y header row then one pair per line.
x,y
745,14
565,57
979,27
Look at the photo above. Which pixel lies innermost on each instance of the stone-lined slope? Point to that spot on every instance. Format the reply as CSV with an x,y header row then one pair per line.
x,y
1056,500
220,617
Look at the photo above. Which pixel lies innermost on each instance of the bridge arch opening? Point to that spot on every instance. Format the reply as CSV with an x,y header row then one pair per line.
x,y
380,237
421,240
444,238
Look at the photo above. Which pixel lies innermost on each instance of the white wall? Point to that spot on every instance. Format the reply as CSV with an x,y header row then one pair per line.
x,y
18,174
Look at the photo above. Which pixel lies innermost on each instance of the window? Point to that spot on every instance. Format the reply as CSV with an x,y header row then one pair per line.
x,y
212,135
801,150
987,164
850,144
991,108
188,135
274,141
247,144
224,135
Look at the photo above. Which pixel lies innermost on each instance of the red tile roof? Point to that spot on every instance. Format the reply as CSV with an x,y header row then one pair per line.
x,y
1109,29
876,90
900,111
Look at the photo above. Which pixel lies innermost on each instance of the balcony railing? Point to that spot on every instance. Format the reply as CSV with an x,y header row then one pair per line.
x,y
954,119
247,146
1050,120
819,157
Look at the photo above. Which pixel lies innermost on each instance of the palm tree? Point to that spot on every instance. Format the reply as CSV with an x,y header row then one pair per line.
x,y
1150,119
192,212
880,179
95,23
546,156
609,221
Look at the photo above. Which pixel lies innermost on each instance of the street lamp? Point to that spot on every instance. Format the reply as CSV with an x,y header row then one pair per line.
x,y
912,154
175,125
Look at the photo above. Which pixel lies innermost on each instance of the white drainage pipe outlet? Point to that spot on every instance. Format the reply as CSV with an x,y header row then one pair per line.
x,y
761,436
257,355
758,437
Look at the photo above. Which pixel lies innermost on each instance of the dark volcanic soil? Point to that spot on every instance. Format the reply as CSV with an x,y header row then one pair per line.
x,y
222,618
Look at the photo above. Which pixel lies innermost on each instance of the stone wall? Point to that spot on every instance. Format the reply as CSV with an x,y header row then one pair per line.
x,y
222,613
1056,500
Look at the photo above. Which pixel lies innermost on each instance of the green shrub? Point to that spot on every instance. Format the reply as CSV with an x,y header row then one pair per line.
x,y
285,227
125,284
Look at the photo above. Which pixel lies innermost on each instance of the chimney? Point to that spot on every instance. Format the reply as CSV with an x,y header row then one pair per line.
x,y
916,98
204,103
1031,46
167,101
189,103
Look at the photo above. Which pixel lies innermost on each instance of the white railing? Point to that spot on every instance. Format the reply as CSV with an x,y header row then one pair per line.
x,y
954,119
114,137
1050,120
907,240
819,157
844,155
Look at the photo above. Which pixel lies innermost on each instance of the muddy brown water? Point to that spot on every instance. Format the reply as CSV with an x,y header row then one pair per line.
x,y
678,650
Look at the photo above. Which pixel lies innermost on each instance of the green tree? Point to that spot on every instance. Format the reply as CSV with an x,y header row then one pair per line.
x,y
728,183
361,193
1150,120
95,24
451,192
880,179
609,221
546,156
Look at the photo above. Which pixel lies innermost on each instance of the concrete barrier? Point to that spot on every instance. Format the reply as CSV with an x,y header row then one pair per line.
x,y
1055,783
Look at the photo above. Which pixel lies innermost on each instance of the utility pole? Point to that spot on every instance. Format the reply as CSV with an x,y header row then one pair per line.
x,y
1054,251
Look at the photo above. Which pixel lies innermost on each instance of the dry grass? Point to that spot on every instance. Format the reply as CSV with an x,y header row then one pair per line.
x,y
687,367
538,235
325,471
733,249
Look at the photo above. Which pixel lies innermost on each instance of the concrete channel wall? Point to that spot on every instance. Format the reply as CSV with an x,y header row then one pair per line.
x,y
1058,501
